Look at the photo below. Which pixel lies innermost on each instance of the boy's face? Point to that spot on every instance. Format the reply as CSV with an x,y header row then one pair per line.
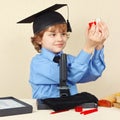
x,y
54,41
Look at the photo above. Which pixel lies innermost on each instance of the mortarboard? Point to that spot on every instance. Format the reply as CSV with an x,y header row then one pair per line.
x,y
46,18
70,102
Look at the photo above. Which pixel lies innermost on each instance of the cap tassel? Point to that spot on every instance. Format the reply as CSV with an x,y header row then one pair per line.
x,y
69,29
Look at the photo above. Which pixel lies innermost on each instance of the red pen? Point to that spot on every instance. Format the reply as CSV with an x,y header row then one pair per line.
x,y
89,111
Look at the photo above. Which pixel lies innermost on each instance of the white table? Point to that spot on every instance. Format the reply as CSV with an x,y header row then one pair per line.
x,y
102,114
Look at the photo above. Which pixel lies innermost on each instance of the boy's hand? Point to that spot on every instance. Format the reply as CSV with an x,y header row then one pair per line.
x,y
97,33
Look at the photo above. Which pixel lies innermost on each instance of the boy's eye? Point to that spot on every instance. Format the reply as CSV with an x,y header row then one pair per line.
x,y
52,34
64,34
55,34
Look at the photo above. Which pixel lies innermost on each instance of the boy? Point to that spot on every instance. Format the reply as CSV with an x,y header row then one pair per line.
x,y
50,38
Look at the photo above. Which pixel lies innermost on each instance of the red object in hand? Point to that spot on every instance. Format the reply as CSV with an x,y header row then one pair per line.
x,y
91,23
104,103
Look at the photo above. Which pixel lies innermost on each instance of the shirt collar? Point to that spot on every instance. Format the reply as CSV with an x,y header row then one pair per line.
x,y
48,54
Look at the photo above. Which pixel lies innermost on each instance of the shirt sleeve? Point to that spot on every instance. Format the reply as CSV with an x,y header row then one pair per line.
x,y
86,67
97,66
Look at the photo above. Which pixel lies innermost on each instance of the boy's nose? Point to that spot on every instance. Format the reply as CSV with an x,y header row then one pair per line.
x,y
59,38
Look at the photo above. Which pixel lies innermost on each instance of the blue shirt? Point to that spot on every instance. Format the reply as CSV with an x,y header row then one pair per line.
x,y
44,73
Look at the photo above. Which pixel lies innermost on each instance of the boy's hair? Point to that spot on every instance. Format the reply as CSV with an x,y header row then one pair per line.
x,y
38,37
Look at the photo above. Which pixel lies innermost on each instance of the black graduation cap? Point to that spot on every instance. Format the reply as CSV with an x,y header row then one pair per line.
x,y
69,102
46,18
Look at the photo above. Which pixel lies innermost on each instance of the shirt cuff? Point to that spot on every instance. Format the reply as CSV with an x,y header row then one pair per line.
x,y
98,53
